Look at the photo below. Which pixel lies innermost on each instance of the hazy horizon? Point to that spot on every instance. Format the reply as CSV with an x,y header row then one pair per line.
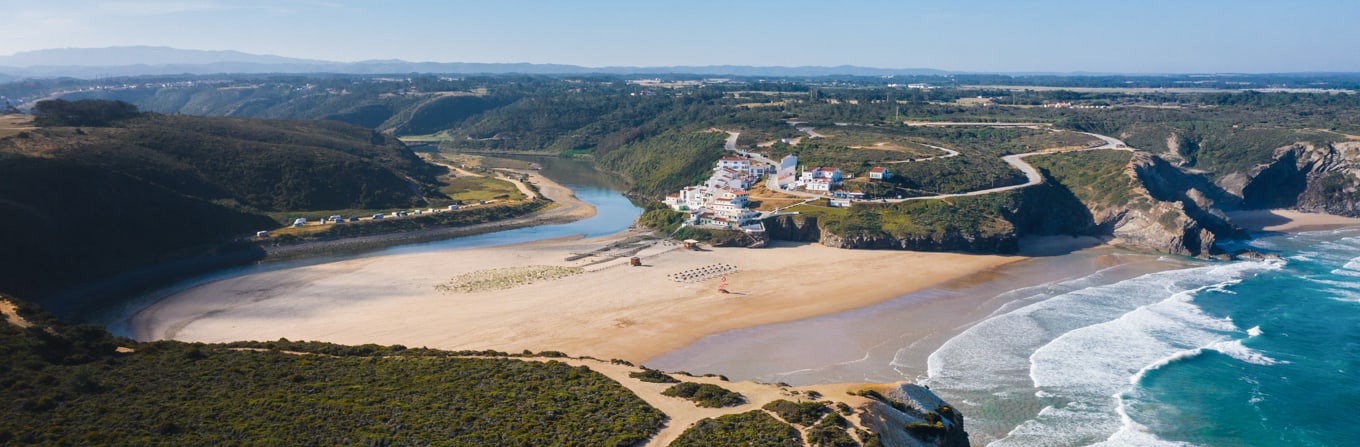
x,y
1157,36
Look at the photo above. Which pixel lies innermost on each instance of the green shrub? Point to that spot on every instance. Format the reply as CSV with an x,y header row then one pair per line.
x,y
830,432
749,429
652,376
64,388
705,395
800,413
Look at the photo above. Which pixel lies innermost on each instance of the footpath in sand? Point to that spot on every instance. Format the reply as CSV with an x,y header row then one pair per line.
x,y
609,310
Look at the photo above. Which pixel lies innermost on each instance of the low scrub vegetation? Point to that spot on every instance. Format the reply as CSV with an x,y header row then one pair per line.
x,y
750,429
705,394
653,376
66,385
799,413
1097,177
830,432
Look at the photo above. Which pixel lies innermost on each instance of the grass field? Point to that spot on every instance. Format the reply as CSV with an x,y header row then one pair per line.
x,y
472,189
11,125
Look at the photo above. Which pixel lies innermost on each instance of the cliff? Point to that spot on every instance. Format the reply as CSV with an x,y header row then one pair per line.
x,y
1137,200
807,228
1302,176
1181,215
912,416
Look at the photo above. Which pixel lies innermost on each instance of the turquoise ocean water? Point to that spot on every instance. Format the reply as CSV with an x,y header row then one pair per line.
x,y
1244,353
1225,354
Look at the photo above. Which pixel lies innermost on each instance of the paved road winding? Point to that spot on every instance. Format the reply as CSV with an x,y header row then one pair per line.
x,y
1032,175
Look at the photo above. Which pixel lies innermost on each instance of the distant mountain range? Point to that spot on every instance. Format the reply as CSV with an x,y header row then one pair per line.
x,y
146,60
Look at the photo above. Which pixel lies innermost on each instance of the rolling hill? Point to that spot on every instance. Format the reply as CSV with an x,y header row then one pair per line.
x,y
85,202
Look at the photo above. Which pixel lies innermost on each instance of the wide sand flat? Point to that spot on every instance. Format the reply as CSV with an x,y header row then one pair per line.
x,y
1287,221
612,311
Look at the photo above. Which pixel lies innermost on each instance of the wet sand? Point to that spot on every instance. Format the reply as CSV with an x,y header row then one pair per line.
x,y
892,341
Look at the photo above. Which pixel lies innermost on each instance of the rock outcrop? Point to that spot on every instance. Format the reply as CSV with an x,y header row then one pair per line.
x,y
800,228
1177,213
953,241
1168,210
1305,177
912,416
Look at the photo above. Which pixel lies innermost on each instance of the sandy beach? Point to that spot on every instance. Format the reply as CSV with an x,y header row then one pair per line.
x,y
611,310
608,310
1288,221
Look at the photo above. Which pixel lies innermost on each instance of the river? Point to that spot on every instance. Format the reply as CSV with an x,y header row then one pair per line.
x,y
614,213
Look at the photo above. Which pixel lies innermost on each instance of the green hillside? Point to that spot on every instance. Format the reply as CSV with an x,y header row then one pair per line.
x,y
85,202
67,385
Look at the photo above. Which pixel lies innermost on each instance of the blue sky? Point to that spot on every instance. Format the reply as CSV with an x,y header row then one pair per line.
x,y
1154,36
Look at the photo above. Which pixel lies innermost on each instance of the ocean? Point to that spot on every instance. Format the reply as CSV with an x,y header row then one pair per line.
x,y
1076,350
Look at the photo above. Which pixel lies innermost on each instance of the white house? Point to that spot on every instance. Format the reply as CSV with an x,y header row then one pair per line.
x,y
737,197
831,174
879,173
840,203
819,184
734,163
820,179
787,172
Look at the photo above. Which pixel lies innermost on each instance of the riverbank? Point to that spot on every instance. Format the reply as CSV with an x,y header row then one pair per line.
x,y
566,207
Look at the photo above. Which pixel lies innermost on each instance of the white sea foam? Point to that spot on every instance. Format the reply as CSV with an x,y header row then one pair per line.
x,y
1082,347
1255,331
1173,358
1351,268
1344,291
1237,350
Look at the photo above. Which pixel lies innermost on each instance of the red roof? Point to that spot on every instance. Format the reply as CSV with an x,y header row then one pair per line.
x,y
734,159
879,169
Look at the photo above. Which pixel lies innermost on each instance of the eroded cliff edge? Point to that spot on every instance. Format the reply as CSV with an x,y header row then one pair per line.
x,y
1135,200
1316,178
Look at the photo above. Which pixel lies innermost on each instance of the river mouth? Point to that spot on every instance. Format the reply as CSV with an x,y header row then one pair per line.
x,y
613,213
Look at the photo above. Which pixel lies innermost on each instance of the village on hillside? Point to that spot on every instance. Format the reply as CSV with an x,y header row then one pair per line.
x,y
722,201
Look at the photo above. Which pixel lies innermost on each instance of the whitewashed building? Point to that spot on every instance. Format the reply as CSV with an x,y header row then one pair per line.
x,y
787,172
722,199
880,173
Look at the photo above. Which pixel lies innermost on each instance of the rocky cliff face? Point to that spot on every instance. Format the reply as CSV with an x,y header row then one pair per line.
x,y
1168,211
1306,177
957,241
1172,211
807,229
912,416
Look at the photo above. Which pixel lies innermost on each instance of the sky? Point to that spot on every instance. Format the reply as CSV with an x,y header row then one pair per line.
x,y
1144,36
